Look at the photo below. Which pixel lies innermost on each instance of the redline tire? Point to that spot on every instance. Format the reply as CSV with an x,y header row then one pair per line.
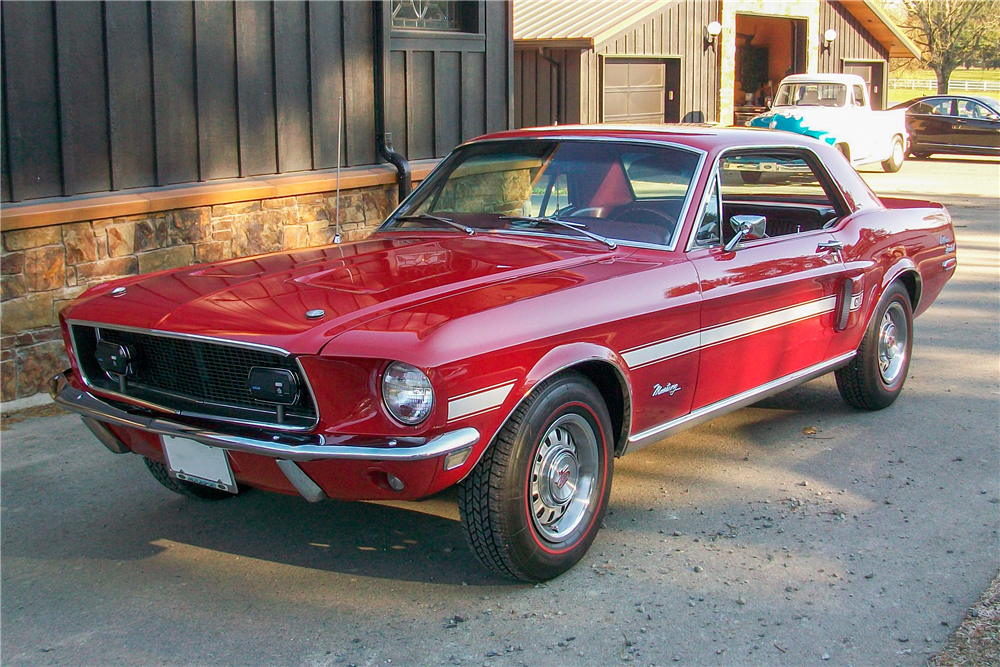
x,y
871,381
499,498
188,489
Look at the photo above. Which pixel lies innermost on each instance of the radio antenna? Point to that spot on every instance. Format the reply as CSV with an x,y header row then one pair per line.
x,y
340,125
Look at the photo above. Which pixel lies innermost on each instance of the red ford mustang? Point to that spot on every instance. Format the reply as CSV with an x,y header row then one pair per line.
x,y
546,301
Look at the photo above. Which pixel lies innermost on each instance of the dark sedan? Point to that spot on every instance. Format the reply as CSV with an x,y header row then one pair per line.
x,y
957,124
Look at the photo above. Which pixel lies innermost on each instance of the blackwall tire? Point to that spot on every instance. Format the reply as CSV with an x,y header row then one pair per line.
x,y
896,157
188,489
875,377
533,504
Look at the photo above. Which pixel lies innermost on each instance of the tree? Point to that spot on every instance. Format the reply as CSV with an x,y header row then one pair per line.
x,y
951,32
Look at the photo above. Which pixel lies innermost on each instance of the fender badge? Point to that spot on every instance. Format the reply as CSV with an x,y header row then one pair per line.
x,y
671,389
118,291
315,314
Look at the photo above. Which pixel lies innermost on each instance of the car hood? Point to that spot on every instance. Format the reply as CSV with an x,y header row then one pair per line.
x,y
264,299
817,122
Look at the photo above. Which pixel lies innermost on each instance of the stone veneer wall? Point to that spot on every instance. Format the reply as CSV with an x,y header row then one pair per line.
x,y
44,268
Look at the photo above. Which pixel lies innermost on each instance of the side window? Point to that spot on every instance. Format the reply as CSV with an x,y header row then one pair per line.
x,y
709,229
973,110
940,107
783,186
859,96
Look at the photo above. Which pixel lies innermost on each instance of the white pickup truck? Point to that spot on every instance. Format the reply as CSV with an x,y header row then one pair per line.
x,y
836,109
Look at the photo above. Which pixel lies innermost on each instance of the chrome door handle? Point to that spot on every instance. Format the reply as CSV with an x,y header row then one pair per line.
x,y
832,246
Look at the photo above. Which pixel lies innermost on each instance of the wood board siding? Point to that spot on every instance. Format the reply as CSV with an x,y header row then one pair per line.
x,y
853,41
676,30
101,96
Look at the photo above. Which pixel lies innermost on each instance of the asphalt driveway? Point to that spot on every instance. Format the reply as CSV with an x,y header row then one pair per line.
x,y
795,532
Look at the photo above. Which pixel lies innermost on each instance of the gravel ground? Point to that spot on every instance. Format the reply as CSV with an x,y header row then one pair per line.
x,y
976,643
793,532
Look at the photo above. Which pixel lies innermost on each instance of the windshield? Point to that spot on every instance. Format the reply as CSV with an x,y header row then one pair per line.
x,y
810,94
626,192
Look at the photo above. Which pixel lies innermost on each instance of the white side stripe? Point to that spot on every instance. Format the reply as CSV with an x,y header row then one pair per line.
x,y
649,354
479,401
662,350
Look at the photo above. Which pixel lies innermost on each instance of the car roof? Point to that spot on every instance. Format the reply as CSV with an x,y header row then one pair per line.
x,y
991,102
702,137
823,78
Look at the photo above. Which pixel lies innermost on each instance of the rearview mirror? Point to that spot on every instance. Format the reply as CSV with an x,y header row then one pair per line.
x,y
747,228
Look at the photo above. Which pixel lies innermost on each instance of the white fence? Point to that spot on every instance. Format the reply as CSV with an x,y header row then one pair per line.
x,y
953,85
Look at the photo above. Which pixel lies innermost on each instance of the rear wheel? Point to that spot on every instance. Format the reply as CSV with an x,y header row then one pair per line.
x,y
534,503
896,157
189,489
875,376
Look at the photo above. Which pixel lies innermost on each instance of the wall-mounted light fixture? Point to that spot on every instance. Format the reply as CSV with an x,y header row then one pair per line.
x,y
828,38
712,31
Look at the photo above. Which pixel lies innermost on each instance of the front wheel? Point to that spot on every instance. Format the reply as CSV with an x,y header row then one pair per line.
x,y
874,378
534,503
896,157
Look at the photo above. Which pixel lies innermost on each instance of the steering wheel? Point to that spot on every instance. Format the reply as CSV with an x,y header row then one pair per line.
x,y
642,215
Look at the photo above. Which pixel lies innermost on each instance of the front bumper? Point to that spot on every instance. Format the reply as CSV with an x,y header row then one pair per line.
x,y
284,447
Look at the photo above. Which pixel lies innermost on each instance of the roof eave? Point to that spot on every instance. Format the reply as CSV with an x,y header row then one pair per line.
x,y
863,10
555,43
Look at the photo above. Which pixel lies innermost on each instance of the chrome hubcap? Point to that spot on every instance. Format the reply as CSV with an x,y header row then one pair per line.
x,y
562,477
892,344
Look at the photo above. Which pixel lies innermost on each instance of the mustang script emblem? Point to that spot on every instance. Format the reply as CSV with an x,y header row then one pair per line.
x,y
671,389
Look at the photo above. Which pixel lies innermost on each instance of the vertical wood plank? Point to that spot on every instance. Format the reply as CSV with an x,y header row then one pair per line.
x,y
83,100
518,92
359,79
473,95
4,166
498,87
32,101
420,115
174,92
572,90
130,95
544,85
447,102
218,118
396,119
326,60
255,86
291,84
529,89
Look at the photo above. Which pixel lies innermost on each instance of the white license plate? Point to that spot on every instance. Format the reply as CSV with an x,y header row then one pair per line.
x,y
192,461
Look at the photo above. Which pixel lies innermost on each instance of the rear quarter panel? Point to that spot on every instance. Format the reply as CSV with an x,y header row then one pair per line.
x,y
881,245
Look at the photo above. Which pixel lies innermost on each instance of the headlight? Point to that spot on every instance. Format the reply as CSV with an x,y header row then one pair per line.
x,y
407,393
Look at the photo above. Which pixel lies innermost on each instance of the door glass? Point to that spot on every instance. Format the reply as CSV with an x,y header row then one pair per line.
x,y
940,107
973,110
708,227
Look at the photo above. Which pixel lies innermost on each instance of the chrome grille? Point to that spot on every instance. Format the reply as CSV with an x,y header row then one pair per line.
x,y
193,376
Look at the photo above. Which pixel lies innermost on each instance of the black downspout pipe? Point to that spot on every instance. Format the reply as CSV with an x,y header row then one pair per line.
x,y
383,139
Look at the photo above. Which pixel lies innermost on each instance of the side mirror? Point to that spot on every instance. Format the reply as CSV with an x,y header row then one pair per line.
x,y
747,228
768,101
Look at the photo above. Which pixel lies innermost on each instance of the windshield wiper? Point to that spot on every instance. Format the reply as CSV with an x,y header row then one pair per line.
x,y
575,226
430,216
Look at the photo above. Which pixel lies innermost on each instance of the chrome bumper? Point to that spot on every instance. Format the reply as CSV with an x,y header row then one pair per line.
x,y
284,446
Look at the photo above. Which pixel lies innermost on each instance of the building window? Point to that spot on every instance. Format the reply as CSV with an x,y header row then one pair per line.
x,y
426,15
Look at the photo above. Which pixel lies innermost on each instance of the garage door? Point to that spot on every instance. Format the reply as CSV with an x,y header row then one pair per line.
x,y
636,91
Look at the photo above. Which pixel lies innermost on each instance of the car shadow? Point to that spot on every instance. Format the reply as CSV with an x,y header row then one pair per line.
x,y
959,159
412,541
